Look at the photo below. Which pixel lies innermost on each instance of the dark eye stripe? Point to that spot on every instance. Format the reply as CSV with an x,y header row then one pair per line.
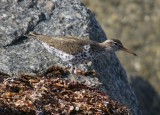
x,y
116,43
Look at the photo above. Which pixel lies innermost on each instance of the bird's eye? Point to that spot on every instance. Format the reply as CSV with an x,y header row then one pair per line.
x,y
116,44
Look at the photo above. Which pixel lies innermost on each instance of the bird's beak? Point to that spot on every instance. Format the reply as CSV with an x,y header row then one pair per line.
x,y
129,51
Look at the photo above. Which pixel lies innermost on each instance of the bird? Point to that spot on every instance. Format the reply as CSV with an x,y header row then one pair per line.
x,y
75,50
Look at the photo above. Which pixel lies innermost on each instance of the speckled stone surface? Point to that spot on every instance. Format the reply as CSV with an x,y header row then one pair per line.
x,y
20,54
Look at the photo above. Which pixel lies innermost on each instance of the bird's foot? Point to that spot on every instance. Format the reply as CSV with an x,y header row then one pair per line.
x,y
60,71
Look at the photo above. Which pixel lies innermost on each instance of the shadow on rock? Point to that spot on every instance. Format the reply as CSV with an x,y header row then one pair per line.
x,y
147,97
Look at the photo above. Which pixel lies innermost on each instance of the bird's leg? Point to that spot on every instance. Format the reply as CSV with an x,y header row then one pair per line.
x,y
71,68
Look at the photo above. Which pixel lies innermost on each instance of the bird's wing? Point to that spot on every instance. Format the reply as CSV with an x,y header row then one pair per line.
x,y
70,45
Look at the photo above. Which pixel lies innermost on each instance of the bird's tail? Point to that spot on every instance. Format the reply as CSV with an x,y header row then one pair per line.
x,y
32,34
37,36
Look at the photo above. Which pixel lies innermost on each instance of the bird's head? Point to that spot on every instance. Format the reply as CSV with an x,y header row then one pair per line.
x,y
116,45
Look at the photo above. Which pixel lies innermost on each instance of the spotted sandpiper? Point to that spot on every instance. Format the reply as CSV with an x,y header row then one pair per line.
x,y
76,51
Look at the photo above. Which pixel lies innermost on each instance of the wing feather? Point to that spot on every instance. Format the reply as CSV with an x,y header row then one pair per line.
x,y
71,45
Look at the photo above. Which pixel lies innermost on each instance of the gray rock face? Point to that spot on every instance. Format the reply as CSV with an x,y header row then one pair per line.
x,y
19,54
